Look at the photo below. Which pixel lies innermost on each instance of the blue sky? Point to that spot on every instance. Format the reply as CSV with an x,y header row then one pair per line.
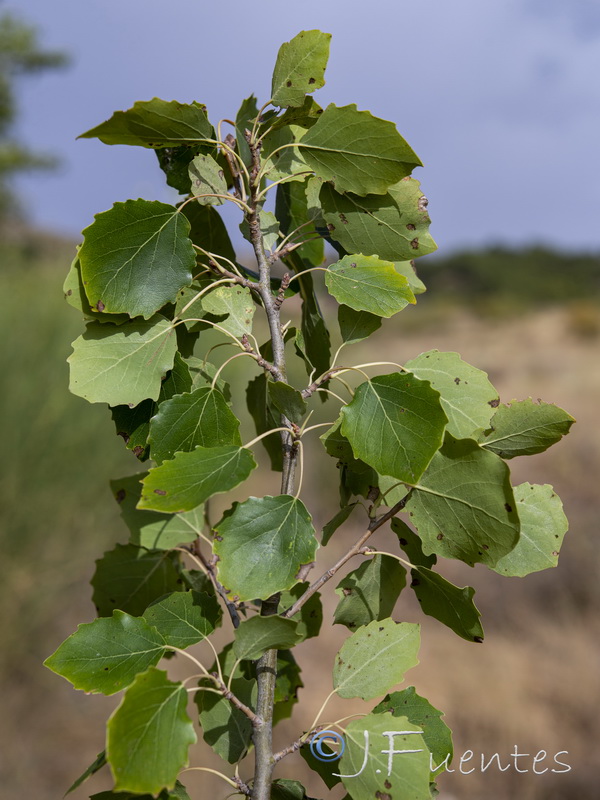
x,y
500,98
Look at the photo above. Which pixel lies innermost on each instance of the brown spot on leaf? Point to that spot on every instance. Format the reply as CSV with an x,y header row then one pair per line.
x,y
508,507
387,785
160,491
311,81
100,306
415,243
347,592
403,542
330,227
138,451
423,203
415,582
555,553
120,496
485,546
383,796
124,435
457,381
343,219
411,227
494,403
69,293
288,84
440,536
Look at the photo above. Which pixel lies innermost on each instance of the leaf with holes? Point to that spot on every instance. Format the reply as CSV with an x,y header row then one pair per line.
x,y
358,152
375,658
300,68
543,527
105,655
365,283
525,428
466,394
463,506
395,423
394,226
135,257
262,543
124,364
189,479
149,734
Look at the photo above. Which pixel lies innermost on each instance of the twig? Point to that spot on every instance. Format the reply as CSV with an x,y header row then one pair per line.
x,y
219,588
295,746
374,525
262,362
235,701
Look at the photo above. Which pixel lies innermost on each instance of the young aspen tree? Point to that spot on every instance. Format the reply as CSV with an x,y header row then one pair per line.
x,y
423,446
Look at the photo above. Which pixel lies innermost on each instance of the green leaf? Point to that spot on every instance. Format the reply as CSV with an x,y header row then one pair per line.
x,y
543,527
135,257
336,522
525,428
155,123
357,152
395,423
310,617
355,326
324,769
130,578
149,734
287,683
411,544
365,283
292,211
436,734
207,178
300,68
94,767
463,506
467,396
226,729
187,420
122,365
204,373
244,120
404,775
369,592
75,296
269,225
287,400
258,634
175,163
189,479
208,230
375,658
283,789
105,655
184,618
447,603
234,301
262,543
407,268
133,424
178,793
394,226
147,528
265,417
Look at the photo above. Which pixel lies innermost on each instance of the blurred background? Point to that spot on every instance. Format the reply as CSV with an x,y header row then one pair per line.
x,y
500,100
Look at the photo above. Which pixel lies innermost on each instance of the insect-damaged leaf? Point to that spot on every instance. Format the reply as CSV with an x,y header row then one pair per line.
x,y
375,658
105,655
155,123
358,152
262,543
300,68
395,423
149,734
463,506
543,526
207,180
525,428
135,257
189,479
394,226
122,365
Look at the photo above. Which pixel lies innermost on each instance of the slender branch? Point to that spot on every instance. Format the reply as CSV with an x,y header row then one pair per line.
x,y
235,701
219,588
262,362
374,525
295,746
